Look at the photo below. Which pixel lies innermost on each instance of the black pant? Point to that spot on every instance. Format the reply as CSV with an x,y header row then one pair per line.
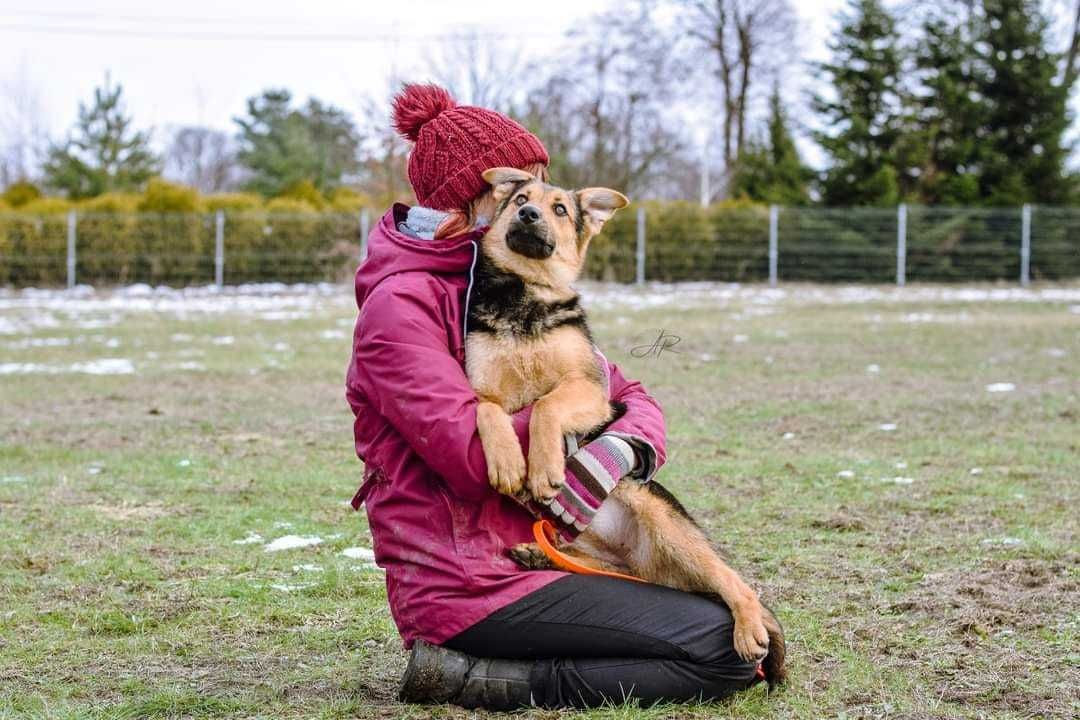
x,y
597,639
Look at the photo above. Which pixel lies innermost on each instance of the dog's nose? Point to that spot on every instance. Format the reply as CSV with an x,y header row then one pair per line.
x,y
528,214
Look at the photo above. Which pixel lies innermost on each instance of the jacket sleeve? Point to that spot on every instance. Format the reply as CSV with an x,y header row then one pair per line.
x,y
406,370
642,425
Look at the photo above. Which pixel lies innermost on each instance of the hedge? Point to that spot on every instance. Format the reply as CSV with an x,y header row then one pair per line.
x,y
167,236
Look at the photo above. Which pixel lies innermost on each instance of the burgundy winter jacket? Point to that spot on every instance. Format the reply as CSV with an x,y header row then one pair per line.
x,y
440,531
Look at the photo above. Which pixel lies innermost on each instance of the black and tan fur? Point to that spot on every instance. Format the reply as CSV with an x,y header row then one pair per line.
x,y
528,343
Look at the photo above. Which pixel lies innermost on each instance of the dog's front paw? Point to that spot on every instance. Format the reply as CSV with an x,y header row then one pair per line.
x,y
547,468
545,481
751,637
506,468
530,557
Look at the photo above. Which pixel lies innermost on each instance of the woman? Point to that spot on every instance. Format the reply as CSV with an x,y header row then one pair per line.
x,y
483,632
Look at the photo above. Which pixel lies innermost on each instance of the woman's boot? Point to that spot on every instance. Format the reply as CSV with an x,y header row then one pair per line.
x,y
439,675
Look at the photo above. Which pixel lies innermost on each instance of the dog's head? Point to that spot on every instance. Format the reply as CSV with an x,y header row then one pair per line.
x,y
541,232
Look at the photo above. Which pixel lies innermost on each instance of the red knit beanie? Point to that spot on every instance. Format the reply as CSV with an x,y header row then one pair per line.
x,y
454,143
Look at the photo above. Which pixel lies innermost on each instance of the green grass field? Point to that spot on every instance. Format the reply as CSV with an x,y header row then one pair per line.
x,y
915,531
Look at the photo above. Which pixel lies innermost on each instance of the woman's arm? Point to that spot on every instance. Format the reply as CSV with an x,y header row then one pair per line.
x,y
642,425
406,371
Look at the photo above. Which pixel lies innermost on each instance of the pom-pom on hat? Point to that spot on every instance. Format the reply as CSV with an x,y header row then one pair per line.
x,y
453,144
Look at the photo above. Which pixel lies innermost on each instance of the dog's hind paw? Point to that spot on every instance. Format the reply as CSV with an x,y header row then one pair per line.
x,y
751,636
530,557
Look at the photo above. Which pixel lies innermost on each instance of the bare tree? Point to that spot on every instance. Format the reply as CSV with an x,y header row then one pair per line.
x,y
604,113
23,135
478,69
202,158
383,154
748,41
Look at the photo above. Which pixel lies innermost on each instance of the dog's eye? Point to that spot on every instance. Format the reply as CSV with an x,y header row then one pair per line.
x,y
560,210
521,200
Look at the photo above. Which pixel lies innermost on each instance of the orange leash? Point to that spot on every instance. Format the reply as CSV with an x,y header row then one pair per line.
x,y
544,532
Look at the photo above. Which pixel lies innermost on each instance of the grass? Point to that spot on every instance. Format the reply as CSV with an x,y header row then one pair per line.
x,y
925,571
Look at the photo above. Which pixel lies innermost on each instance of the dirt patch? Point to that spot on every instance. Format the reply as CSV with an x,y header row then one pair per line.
x,y
130,511
839,521
1003,594
982,611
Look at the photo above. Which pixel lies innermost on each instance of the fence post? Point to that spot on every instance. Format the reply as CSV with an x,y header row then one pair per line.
x,y
901,245
1025,246
639,275
71,219
219,249
774,250
365,228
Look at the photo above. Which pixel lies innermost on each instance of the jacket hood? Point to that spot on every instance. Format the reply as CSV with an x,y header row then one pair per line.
x,y
390,251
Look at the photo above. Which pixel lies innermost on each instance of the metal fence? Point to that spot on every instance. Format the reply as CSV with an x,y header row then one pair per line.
x,y
658,241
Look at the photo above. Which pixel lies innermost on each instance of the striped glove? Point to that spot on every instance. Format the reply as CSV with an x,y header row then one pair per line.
x,y
591,474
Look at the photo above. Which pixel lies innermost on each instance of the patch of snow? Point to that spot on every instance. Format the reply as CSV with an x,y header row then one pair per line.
x,y
12,479
292,542
333,335
307,568
103,366
741,338
901,480
184,463
181,337
887,427
189,365
788,436
1004,541
873,368
224,340
289,587
367,567
846,474
901,465
359,553
975,471
282,525
251,539
1056,352
1000,387
34,342
281,347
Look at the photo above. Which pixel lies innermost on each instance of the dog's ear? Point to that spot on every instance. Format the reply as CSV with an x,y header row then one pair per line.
x,y
504,180
598,205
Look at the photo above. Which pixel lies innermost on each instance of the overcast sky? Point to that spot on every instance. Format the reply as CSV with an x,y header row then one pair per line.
x,y
197,62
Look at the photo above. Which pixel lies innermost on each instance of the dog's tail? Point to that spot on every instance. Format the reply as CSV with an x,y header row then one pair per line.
x,y
773,664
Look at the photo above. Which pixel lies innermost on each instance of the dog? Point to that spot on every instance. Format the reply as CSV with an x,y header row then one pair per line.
x,y
529,343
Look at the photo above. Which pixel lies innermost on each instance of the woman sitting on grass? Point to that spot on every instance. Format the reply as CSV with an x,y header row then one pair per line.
x,y
483,632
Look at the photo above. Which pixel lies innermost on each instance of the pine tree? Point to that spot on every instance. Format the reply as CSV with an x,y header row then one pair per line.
x,y
770,170
953,117
103,152
284,146
865,117
1026,107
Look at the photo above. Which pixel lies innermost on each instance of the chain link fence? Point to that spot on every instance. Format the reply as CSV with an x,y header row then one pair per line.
x,y
654,241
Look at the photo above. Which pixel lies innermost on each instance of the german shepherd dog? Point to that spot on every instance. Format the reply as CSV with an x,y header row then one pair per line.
x,y
528,342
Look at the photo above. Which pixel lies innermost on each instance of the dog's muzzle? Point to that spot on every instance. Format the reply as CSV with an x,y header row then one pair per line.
x,y
527,235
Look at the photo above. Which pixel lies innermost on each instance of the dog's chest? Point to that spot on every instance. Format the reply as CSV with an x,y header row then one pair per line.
x,y
514,371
